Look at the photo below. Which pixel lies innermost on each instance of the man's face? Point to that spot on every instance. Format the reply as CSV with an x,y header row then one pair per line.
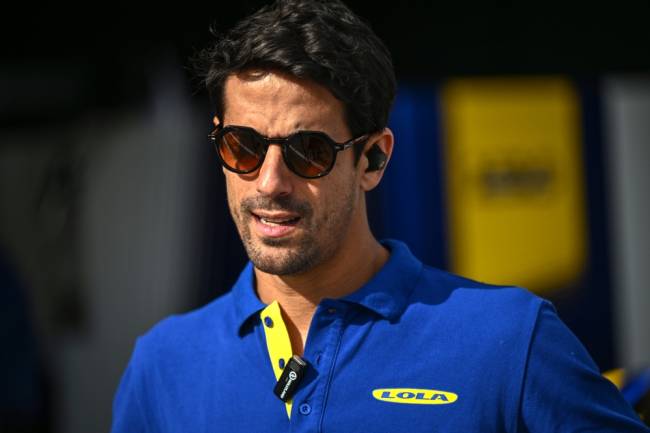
x,y
289,224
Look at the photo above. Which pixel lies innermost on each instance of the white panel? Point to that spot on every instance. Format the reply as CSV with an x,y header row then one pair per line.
x,y
138,246
627,117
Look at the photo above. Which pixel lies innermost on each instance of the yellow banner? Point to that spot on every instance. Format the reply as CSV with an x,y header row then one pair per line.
x,y
515,181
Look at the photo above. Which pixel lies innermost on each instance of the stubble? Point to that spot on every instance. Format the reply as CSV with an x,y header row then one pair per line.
x,y
319,240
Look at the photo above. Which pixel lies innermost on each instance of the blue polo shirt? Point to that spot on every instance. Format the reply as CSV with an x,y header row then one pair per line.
x,y
414,350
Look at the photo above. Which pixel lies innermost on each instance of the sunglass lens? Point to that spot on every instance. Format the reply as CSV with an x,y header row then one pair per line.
x,y
310,155
240,151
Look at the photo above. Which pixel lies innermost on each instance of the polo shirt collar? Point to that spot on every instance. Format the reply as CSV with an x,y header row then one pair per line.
x,y
246,301
386,293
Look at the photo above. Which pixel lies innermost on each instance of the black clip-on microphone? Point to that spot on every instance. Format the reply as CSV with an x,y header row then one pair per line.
x,y
290,378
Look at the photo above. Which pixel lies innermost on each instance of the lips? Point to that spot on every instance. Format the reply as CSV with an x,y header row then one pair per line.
x,y
277,219
275,224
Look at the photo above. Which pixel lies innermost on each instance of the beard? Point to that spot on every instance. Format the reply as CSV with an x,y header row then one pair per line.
x,y
319,238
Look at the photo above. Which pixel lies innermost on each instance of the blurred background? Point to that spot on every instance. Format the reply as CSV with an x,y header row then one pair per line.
x,y
522,145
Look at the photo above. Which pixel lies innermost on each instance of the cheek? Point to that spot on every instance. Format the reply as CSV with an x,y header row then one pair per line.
x,y
338,194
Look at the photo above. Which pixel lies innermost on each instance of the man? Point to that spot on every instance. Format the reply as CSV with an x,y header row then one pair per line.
x,y
328,329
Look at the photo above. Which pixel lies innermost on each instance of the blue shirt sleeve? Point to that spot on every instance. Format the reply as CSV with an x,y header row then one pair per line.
x,y
129,411
563,390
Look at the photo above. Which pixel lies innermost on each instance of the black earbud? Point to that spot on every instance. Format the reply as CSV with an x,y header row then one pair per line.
x,y
376,158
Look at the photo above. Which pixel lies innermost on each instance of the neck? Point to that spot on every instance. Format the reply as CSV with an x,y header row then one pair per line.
x,y
357,260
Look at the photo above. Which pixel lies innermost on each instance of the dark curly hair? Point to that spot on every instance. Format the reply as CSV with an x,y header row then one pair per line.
x,y
319,40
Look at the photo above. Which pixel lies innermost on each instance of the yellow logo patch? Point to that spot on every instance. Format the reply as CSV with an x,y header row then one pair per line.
x,y
414,396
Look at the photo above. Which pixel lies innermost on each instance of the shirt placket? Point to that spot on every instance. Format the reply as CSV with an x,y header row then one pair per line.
x,y
306,407
321,350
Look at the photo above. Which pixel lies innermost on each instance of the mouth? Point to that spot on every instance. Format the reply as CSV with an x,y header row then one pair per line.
x,y
275,224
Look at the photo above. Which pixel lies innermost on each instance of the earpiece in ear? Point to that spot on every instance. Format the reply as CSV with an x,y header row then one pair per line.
x,y
376,158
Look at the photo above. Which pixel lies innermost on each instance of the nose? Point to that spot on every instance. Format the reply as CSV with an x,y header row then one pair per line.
x,y
274,178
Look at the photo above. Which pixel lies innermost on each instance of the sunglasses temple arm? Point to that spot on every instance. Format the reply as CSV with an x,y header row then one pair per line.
x,y
352,142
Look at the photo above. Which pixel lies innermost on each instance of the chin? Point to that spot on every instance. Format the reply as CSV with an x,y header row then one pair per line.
x,y
282,257
276,242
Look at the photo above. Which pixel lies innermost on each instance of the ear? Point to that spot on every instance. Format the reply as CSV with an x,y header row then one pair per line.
x,y
379,142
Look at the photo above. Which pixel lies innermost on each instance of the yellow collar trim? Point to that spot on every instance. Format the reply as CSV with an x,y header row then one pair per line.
x,y
278,343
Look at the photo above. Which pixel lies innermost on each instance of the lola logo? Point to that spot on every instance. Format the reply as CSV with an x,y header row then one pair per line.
x,y
414,396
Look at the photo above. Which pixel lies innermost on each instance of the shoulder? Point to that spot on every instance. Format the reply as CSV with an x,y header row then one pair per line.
x,y
470,307
457,291
185,332
171,356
